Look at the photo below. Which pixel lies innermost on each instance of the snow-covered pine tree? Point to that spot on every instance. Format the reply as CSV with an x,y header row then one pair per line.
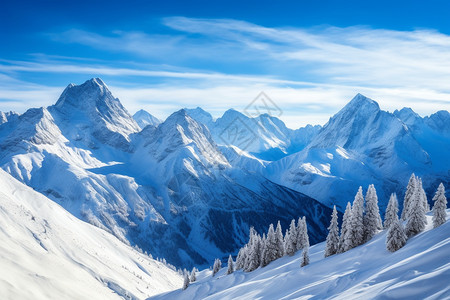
x,y
217,266
240,259
408,197
345,242
416,218
300,231
439,207
357,224
264,250
372,219
271,246
186,281
279,241
396,236
424,196
391,211
332,244
290,239
254,257
230,265
305,256
303,235
193,276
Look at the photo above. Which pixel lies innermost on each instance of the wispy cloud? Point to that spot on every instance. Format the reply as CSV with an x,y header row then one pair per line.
x,y
218,64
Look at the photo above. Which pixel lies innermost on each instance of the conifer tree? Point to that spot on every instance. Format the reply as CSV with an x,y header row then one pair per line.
x,y
305,256
439,207
290,243
300,232
410,189
332,244
254,256
240,259
345,242
230,265
193,276
357,224
424,196
303,235
391,211
271,250
396,236
279,241
416,215
186,281
264,255
372,219
217,266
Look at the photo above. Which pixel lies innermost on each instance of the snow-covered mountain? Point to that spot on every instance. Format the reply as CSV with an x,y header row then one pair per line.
x,y
363,144
419,270
264,136
46,253
162,188
144,118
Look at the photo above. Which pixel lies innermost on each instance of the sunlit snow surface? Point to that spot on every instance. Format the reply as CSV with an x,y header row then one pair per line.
x,y
46,253
419,270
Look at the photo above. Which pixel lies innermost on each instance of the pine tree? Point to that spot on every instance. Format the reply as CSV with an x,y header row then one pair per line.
x,y
186,281
230,265
271,250
300,232
408,197
290,239
305,256
391,211
372,219
264,250
240,259
396,236
357,224
193,277
439,207
424,196
332,244
254,256
303,237
345,242
279,241
416,215
217,266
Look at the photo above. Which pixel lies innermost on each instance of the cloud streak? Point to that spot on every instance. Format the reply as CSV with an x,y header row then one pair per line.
x,y
218,64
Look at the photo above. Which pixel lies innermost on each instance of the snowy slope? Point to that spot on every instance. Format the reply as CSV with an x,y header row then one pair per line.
x,y
419,270
144,118
46,253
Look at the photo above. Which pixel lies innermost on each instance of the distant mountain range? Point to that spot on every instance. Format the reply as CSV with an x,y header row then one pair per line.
x,y
189,188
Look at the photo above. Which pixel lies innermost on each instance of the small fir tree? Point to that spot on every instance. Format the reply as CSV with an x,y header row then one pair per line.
x,y
391,211
396,236
410,189
417,218
332,244
279,241
345,242
439,207
217,266
372,219
186,281
193,276
230,265
357,220
305,256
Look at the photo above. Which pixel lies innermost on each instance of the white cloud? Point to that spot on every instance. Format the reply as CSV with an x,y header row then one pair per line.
x,y
311,73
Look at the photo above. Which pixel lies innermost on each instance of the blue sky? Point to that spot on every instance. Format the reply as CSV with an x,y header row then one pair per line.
x,y
310,57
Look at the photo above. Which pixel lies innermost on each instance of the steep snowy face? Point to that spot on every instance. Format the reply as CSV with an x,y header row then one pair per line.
x,y
201,116
89,110
7,116
144,118
440,122
46,253
35,127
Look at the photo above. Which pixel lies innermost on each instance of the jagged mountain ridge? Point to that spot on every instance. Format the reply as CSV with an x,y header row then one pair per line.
x,y
162,188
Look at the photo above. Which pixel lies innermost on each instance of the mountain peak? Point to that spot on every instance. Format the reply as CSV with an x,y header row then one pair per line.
x,y
144,118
